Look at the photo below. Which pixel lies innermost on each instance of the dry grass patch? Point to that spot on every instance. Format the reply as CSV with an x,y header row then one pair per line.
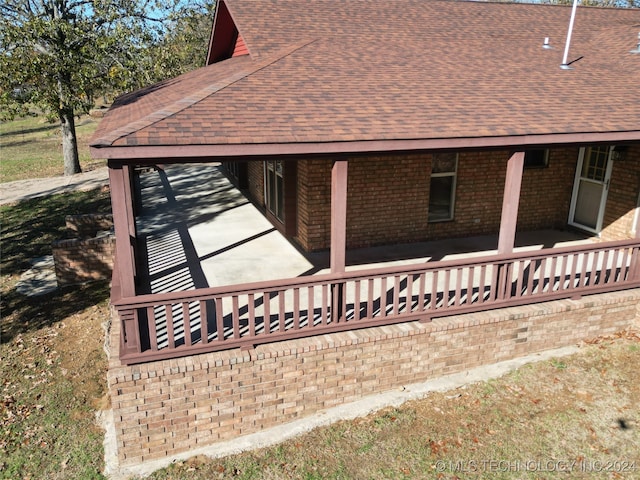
x,y
573,417
51,379
52,364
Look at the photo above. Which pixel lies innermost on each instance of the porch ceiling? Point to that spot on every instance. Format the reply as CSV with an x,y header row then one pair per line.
x,y
199,231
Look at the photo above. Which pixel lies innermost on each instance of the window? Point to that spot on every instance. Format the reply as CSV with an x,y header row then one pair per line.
x,y
536,158
237,171
274,187
596,167
635,216
442,190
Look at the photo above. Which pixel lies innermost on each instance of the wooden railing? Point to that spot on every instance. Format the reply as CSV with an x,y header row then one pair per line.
x,y
162,326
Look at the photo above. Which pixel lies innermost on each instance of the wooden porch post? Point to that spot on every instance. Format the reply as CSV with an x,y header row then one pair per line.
x,y
119,182
129,202
508,221
338,215
338,235
510,203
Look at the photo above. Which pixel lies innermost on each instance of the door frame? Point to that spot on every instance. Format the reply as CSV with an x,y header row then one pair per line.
x,y
603,197
288,224
271,167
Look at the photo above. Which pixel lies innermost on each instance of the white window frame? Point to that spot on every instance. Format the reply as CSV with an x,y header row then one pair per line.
x,y
635,216
582,156
272,166
452,200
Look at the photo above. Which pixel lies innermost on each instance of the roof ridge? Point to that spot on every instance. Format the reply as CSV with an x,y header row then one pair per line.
x,y
111,137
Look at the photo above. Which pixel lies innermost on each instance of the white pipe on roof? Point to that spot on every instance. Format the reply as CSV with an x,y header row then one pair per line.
x,y
564,65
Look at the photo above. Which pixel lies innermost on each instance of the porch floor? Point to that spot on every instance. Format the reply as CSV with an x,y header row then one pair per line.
x,y
196,230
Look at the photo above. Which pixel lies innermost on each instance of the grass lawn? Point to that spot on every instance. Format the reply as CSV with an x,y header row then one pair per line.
x,y
571,417
52,363
30,147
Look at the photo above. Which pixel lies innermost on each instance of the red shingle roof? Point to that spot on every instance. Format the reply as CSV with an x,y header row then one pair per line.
x,y
328,71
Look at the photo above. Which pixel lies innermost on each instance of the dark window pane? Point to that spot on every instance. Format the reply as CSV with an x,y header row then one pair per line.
x,y
440,199
279,207
271,189
595,163
536,158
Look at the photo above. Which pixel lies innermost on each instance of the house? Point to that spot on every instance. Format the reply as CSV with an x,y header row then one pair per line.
x,y
357,124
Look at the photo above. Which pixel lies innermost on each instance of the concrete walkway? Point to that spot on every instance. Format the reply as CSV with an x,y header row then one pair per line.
x,y
199,231
20,190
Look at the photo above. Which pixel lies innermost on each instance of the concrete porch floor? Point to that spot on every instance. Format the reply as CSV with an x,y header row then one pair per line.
x,y
196,230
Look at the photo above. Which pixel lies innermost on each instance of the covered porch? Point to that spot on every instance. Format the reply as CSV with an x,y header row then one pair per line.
x,y
215,274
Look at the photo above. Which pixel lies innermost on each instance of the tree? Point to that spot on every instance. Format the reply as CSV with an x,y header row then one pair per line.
x,y
183,46
59,54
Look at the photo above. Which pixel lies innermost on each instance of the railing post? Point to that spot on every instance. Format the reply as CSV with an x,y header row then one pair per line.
x,y
337,302
634,265
499,281
504,283
130,335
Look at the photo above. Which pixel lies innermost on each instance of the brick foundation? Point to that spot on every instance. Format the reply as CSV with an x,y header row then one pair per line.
x,y
167,407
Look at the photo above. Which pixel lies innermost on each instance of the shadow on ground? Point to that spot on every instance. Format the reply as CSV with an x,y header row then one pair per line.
x,y
22,314
28,228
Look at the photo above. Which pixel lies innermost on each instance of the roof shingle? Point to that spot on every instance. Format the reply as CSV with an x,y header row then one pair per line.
x,y
356,70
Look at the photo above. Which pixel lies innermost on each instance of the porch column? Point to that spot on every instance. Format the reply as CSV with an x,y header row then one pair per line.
x,y
510,202
129,201
122,218
637,225
124,266
338,215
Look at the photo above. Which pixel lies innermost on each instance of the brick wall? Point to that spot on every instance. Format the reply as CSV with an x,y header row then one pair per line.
x,y
387,201
167,407
89,255
622,197
314,204
545,196
82,260
255,180
85,226
388,198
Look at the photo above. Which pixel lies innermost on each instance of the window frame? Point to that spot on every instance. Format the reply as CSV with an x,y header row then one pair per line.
x,y
635,216
452,195
271,168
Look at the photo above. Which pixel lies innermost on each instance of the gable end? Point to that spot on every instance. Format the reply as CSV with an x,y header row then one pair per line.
x,y
226,41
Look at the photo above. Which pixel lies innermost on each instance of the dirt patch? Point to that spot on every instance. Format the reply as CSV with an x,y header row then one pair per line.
x,y
52,380
82,357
